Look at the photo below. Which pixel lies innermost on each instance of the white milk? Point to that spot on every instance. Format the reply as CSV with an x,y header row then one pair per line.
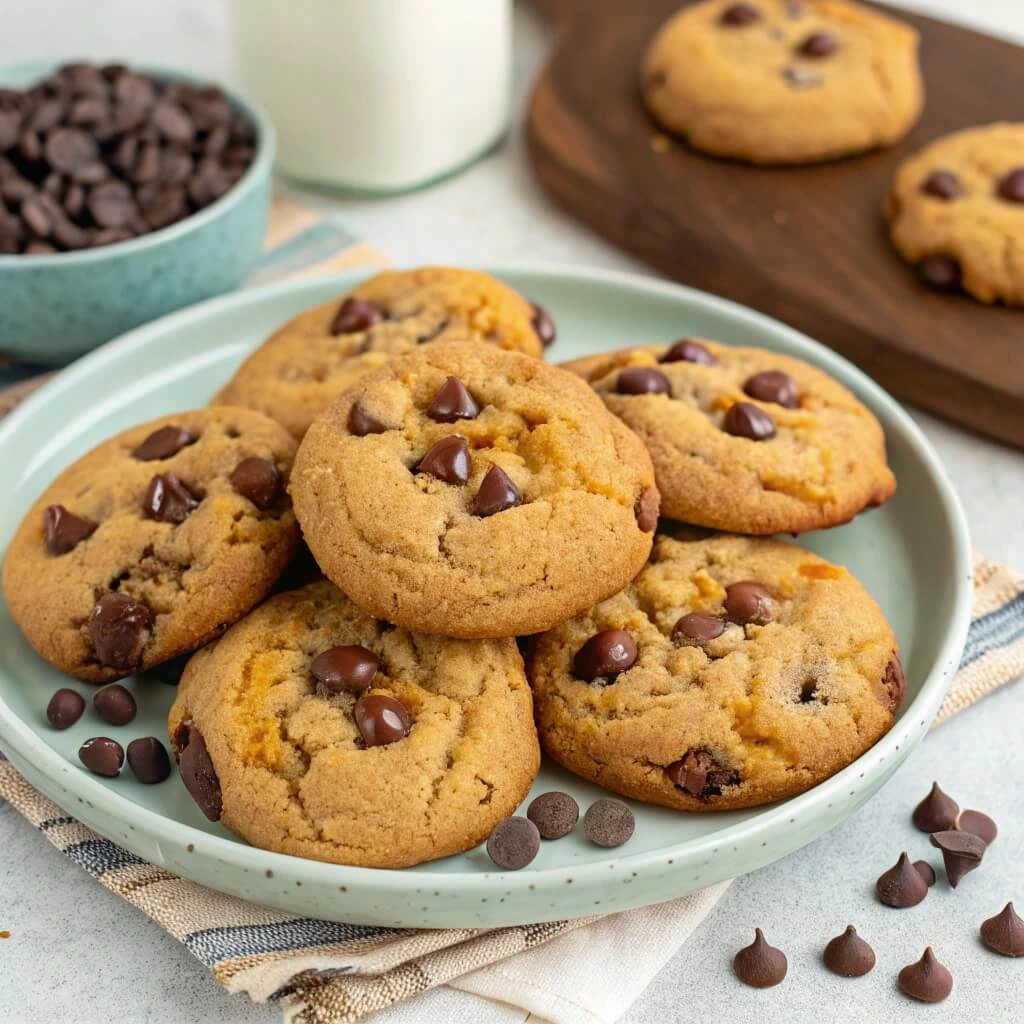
x,y
381,95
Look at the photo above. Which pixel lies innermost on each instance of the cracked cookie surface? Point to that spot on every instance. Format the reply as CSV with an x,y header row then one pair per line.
x,y
496,505
307,363
105,587
783,81
724,698
293,770
799,452
956,211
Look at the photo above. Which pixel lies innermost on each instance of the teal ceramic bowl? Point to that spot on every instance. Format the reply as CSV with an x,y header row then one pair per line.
x,y
53,308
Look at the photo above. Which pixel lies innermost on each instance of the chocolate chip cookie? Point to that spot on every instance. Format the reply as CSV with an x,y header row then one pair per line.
x,y
153,542
299,370
783,81
744,439
731,672
473,492
956,212
312,729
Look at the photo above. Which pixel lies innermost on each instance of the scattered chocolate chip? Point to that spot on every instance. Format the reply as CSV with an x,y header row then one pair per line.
x,y
848,955
168,500
361,423
743,419
608,823
1011,186
356,315
926,980
936,812
148,760
115,705
902,885
962,852
894,683
163,444
447,459
749,602
64,530
978,824
555,814
453,402
119,629
740,15
642,380
197,771
258,480
688,351
801,78
942,185
65,708
514,843
759,964
1004,933
819,44
381,719
773,386
926,871
497,493
697,628
605,655
102,756
543,325
647,508
346,669
698,773
940,272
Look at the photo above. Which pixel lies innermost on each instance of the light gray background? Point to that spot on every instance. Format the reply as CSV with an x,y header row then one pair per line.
x,y
79,955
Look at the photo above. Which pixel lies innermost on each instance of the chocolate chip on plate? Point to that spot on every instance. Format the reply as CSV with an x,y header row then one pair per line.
x,y
148,760
65,708
381,719
697,628
686,350
497,493
1004,933
749,602
926,871
115,705
197,771
345,669
608,823
647,507
744,419
543,325
514,843
740,15
102,756
942,184
940,272
168,500
447,460
258,480
555,814
356,315
926,979
936,812
773,386
902,885
642,380
163,444
361,423
64,530
605,655
819,44
962,852
453,402
1011,186
760,965
978,824
119,629
848,955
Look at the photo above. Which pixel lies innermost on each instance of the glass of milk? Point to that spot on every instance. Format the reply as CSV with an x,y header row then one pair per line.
x,y
377,95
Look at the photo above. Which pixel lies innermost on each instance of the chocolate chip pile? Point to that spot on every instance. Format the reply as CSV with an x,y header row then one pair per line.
x,y
95,155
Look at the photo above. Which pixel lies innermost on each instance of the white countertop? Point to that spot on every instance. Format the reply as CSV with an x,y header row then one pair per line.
x,y
79,955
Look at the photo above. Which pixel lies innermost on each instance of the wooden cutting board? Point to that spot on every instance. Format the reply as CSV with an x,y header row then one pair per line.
x,y
806,244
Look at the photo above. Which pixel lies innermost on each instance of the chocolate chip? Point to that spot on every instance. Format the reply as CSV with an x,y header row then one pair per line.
x,y
894,683
642,380
940,272
698,628
361,423
555,814
513,844
447,459
112,204
115,705
258,480
647,508
926,871
698,773
346,669
356,315
148,760
172,123
163,444
102,756
64,530
740,15
1011,186
65,708
926,980
902,885
962,852
497,493
453,402
1004,933
34,214
119,629
978,824
381,719
801,78
688,351
936,812
773,386
608,823
819,44
198,773
760,965
67,149
942,185
605,655
751,602
543,325
168,499
848,955
743,419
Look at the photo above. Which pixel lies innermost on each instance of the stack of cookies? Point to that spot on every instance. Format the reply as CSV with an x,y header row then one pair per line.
x,y
362,697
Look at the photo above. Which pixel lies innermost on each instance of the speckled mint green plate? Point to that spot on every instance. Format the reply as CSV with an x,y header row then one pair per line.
x,y
912,555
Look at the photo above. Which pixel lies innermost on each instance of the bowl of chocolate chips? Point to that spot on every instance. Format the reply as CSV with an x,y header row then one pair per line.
x,y
124,194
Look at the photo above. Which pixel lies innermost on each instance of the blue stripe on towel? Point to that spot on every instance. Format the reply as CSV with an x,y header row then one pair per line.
x,y
319,242
98,856
998,628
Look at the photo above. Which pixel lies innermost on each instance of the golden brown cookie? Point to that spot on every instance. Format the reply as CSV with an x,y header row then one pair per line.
x,y
153,542
731,672
956,212
784,81
473,492
310,728
307,363
744,439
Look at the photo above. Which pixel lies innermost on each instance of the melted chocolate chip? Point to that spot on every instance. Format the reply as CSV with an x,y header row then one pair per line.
x,y
740,15
894,683
163,444
942,185
361,423
197,771
647,507
448,460
698,773
543,325
759,964
258,480
497,493
119,629
773,386
936,812
168,500
65,708
697,628
346,669
64,530
115,705
102,756
356,315
819,44
688,351
605,655
381,719
148,760
751,602
1011,186
453,402
902,885
940,272
926,980
642,380
744,419
848,955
